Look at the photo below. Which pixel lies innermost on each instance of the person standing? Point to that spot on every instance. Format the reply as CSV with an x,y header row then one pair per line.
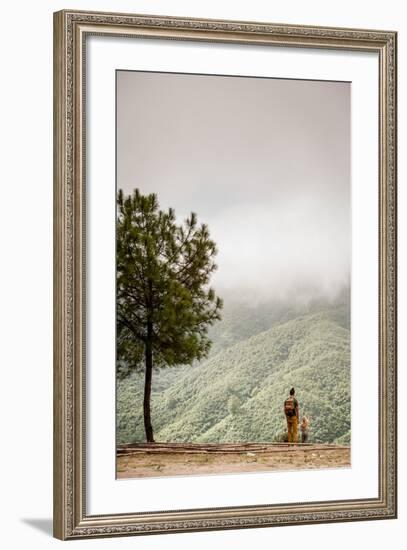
x,y
292,414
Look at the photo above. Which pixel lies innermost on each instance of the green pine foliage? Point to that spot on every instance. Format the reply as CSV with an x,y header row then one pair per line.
x,y
164,302
237,394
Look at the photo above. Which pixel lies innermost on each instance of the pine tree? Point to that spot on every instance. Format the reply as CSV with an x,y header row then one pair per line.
x,y
164,304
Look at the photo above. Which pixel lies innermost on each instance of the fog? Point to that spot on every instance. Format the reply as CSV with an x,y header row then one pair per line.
x,y
264,162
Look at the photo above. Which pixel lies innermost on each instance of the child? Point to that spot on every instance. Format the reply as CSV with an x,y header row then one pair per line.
x,y
304,426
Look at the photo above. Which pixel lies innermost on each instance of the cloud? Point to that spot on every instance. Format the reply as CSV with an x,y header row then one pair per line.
x,y
272,252
264,162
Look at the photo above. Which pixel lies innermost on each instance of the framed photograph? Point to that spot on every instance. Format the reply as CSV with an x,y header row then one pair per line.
x,y
224,274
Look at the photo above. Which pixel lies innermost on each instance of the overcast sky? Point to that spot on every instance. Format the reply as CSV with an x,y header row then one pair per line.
x,y
264,162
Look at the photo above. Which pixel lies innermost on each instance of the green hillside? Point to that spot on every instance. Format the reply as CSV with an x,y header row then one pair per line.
x,y
237,394
242,320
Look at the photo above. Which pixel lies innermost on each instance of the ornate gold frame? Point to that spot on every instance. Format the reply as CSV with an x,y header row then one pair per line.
x,y
70,518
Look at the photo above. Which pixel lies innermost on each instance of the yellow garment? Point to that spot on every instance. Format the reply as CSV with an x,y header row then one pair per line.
x,y
292,428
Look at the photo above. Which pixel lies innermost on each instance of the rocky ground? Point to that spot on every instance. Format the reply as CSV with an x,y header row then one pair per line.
x,y
154,460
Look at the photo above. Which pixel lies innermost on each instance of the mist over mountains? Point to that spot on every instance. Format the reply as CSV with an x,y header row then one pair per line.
x,y
271,181
272,184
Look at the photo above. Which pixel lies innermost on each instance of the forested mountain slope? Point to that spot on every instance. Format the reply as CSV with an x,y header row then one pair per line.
x,y
237,394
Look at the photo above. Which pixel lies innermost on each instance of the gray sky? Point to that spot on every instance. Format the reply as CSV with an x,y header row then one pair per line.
x,y
264,162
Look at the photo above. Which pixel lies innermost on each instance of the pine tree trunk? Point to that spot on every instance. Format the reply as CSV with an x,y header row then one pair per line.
x,y
147,387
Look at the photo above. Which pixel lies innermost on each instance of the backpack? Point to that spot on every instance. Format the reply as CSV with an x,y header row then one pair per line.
x,y
289,406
